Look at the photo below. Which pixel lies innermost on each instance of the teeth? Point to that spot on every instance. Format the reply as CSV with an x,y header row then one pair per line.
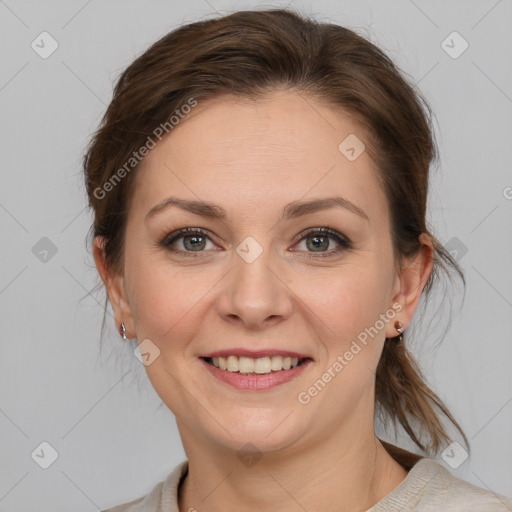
x,y
258,366
232,364
276,363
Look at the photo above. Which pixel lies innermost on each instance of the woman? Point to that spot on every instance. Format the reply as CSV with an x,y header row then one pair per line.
x,y
259,190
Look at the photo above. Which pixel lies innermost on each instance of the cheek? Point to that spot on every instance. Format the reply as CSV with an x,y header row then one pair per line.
x,y
165,298
343,309
344,300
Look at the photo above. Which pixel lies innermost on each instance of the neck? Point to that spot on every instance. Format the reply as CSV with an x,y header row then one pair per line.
x,y
334,475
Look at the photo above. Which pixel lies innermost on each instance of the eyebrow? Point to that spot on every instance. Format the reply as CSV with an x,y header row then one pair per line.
x,y
291,211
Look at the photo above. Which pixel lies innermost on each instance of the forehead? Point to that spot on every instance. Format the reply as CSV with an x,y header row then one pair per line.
x,y
263,153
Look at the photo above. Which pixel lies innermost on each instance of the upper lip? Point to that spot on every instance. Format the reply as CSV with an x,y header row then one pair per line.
x,y
255,354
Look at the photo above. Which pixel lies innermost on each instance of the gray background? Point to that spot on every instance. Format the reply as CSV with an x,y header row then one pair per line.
x,y
96,407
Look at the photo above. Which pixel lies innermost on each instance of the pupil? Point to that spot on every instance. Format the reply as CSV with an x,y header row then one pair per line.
x,y
194,239
319,245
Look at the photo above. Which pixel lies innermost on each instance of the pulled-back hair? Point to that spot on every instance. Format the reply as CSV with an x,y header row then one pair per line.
x,y
249,54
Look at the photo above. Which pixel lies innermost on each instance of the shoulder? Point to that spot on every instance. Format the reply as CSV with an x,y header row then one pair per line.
x,y
162,497
430,487
457,494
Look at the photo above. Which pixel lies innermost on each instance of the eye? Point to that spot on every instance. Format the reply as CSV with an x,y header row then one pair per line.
x,y
320,242
194,241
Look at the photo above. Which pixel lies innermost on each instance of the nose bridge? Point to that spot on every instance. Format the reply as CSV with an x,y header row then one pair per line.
x,y
254,293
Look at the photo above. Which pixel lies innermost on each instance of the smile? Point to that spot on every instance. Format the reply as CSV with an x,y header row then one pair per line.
x,y
255,374
255,366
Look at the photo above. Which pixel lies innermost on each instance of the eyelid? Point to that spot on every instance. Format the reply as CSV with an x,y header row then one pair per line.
x,y
344,243
175,235
325,230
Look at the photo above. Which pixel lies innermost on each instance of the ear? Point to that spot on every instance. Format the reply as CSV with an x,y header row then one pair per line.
x,y
409,284
114,284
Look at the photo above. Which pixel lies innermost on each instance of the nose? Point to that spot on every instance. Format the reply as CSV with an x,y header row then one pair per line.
x,y
255,294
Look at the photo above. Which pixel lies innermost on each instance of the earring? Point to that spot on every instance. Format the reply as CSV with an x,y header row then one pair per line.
x,y
399,326
122,331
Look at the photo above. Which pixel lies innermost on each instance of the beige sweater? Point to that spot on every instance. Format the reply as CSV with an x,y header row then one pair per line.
x,y
428,487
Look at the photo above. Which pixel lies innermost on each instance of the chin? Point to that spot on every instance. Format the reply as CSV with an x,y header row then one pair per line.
x,y
268,433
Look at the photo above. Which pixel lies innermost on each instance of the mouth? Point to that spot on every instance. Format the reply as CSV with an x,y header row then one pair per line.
x,y
255,374
265,365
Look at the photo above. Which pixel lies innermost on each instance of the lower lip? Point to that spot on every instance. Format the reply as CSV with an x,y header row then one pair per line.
x,y
256,382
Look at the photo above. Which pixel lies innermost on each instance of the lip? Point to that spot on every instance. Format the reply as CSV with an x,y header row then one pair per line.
x,y
262,382
255,354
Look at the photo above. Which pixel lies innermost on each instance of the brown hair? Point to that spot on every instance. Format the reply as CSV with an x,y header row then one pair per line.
x,y
248,54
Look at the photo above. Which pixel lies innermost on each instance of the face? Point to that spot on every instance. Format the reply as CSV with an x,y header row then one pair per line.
x,y
258,282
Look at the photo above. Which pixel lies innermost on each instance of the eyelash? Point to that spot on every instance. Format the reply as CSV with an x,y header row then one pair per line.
x,y
344,242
